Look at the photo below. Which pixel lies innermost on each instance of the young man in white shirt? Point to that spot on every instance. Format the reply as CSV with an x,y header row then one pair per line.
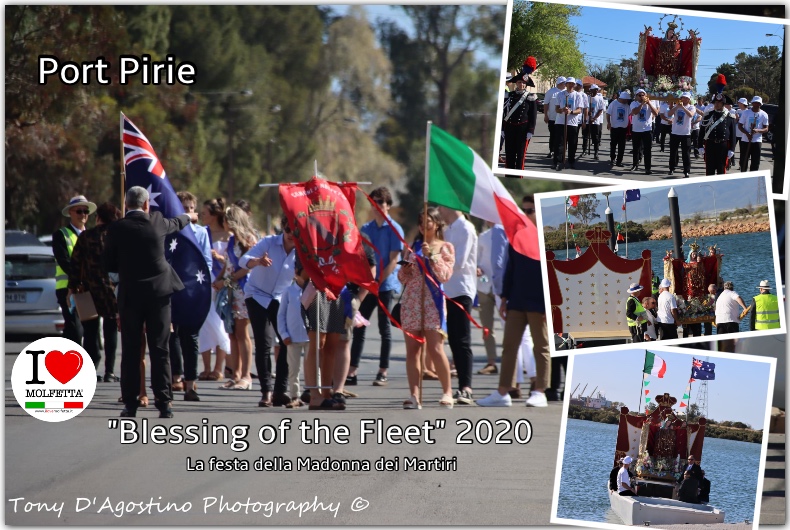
x,y
665,125
585,117
753,123
461,287
667,311
617,125
550,113
624,488
682,114
569,106
642,130
596,110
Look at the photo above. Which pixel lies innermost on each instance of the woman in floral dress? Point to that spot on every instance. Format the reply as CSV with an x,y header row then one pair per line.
x,y
234,277
421,303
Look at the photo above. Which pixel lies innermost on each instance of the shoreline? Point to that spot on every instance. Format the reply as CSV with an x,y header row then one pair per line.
x,y
726,228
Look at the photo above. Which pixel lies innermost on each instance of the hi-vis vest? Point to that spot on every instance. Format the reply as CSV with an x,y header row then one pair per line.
x,y
638,311
766,307
61,278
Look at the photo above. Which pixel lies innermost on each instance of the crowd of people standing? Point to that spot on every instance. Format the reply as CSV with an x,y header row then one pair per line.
x,y
260,289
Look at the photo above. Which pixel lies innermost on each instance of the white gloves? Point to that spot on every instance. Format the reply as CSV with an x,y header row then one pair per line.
x,y
702,150
529,136
730,154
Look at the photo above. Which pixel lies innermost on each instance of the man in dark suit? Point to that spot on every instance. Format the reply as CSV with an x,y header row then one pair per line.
x,y
135,249
693,468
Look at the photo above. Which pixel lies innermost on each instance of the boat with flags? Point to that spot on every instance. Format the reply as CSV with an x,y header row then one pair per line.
x,y
658,442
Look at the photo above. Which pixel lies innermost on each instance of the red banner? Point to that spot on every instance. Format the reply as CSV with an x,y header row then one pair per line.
x,y
672,58
328,242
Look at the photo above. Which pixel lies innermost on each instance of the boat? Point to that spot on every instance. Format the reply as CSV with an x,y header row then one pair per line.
x,y
647,511
659,443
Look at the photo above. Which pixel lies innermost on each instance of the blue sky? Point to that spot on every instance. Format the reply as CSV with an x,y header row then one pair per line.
x,y
738,393
612,34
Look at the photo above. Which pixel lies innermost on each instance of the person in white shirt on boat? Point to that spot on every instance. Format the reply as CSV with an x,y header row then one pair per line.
x,y
624,488
650,327
728,310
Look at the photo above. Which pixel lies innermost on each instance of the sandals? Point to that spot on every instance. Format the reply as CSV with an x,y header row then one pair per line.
x,y
412,403
215,376
241,384
327,404
203,376
228,384
446,401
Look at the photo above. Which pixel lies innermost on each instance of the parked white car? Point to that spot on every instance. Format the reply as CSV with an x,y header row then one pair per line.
x,y
31,307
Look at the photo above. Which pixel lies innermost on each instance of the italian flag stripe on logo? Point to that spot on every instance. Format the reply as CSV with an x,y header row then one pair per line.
x,y
654,365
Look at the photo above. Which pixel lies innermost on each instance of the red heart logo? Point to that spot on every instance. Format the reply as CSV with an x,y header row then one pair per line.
x,y
63,366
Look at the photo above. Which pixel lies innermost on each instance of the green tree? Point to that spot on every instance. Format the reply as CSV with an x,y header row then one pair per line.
x,y
544,31
585,209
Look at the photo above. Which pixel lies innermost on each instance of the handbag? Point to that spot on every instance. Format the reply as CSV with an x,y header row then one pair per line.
x,y
86,309
396,308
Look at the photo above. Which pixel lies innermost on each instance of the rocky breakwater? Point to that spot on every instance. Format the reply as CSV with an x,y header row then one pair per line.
x,y
699,230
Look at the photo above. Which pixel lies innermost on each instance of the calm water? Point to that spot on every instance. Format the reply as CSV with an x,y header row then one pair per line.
x,y
732,467
748,258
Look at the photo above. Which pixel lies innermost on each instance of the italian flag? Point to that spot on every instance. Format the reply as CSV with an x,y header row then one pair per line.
x,y
456,177
654,365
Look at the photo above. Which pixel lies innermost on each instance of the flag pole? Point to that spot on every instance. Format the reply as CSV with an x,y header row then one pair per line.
x,y
424,345
625,210
567,252
123,173
642,391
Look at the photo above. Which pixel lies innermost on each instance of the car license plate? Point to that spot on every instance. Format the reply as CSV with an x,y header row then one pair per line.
x,y
16,297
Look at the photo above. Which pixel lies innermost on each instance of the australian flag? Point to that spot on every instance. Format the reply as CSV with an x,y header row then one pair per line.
x,y
702,370
143,168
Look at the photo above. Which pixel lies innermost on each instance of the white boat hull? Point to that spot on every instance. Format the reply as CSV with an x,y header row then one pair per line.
x,y
656,511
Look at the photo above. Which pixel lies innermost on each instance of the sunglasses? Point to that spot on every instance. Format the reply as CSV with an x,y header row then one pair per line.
x,y
82,212
380,202
529,211
287,229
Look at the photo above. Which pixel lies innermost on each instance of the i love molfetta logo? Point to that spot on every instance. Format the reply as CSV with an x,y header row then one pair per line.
x,y
53,379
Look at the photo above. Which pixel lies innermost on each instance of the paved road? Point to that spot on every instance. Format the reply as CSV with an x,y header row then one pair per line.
x,y
587,166
495,484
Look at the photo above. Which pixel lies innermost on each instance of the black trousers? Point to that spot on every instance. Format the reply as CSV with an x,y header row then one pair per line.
x,y
715,158
515,145
595,136
585,137
617,141
627,493
154,314
184,345
695,140
692,330
668,331
559,366
643,146
663,131
263,321
637,335
552,137
753,160
92,344
459,335
727,327
684,142
72,328
385,330
573,142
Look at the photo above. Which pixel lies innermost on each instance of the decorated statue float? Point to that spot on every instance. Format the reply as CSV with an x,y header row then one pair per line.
x,y
659,442
668,64
690,280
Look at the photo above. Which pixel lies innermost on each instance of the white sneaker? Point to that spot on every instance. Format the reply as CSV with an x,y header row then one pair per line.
x,y
536,399
495,400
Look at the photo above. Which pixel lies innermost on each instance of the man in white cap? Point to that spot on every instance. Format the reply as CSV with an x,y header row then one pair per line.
x,y
667,311
624,488
569,106
766,309
597,106
635,313
550,113
642,130
63,240
682,113
753,123
617,125
743,104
